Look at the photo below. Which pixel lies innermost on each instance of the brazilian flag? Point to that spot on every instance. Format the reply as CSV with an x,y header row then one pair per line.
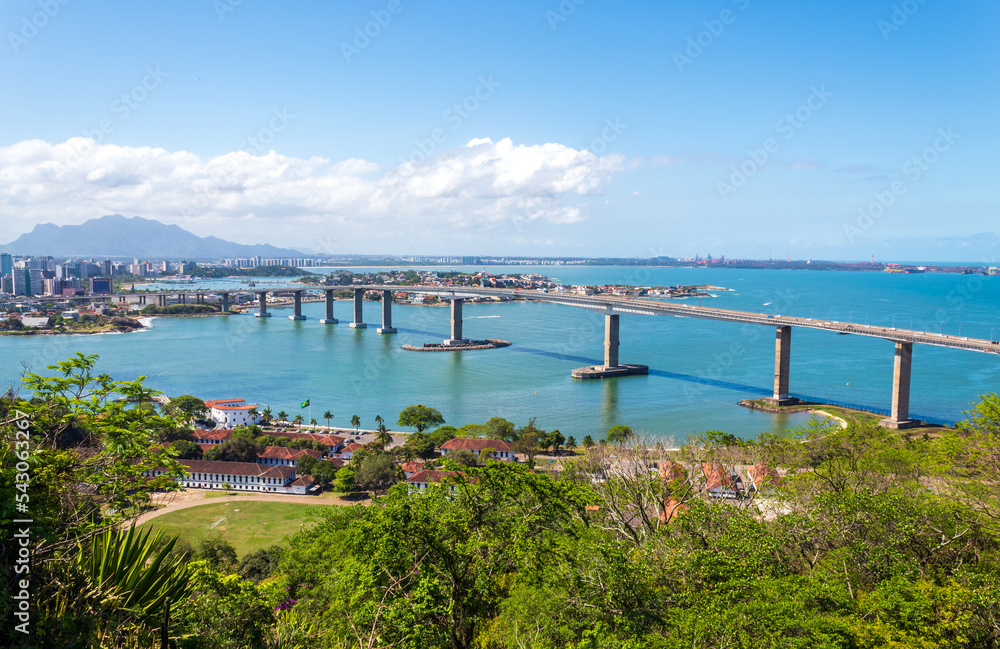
x,y
305,404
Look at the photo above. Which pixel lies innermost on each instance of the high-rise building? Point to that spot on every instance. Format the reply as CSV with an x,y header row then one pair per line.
x,y
101,285
6,264
27,281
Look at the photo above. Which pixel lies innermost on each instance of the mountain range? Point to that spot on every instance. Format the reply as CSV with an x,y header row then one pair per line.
x,y
117,236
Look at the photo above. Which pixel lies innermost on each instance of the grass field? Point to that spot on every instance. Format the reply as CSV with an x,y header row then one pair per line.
x,y
247,526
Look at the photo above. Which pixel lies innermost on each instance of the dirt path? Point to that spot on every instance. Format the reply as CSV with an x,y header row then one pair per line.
x,y
176,501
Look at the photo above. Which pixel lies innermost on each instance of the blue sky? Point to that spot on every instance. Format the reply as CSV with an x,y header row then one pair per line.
x,y
546,128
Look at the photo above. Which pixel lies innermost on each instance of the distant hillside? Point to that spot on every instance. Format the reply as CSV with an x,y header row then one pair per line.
x,y
117,236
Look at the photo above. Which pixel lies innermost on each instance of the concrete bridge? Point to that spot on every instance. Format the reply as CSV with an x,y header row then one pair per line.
x,y
613,308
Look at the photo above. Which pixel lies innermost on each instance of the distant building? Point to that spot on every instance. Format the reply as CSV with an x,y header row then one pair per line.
x,y
284,456
234,412
422,479
27,281
101,286
6,264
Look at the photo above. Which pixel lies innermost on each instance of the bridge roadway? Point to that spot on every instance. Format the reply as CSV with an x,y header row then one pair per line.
x,y
613,308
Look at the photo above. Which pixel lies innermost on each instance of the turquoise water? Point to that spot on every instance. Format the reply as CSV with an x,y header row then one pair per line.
x,y
699,370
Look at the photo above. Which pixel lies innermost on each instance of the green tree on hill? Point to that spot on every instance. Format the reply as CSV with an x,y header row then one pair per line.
x,y
620,434
420,417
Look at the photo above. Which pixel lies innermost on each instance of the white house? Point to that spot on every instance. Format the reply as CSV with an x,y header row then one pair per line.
x,y
420,480
501,450
234,412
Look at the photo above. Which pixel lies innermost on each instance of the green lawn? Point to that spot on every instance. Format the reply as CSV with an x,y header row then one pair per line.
x,y
248,525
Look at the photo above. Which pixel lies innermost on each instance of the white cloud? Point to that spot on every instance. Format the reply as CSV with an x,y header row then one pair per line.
x,y
484,188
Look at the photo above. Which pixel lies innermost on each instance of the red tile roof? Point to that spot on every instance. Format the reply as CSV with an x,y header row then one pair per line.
x,y
430,475
252,469
219,433
477,445
412,466
285,453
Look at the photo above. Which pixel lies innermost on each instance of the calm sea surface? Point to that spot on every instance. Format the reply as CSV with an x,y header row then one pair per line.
x,y
699,370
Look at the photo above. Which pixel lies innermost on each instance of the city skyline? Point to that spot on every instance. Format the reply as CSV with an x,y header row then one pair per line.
x,y
544,128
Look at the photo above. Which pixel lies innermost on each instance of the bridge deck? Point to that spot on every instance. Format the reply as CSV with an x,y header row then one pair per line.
x,y
623,306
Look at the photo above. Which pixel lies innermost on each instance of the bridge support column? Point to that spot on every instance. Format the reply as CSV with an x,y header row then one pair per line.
x,y
329,319
456,323
900,417
142,299
262,301
161,300
611,340
225,302
386,327
359,317
200,298
182,298
298,306
611,367
782,361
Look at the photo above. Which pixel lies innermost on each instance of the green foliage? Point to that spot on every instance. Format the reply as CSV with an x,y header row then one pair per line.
x,y
377,472
422,445
500,428
619,434
225,612
260,564
420,417
219,554
186,450
345,480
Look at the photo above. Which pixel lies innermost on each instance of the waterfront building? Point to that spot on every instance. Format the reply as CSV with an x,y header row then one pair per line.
x,y
284,456
234,412
500,450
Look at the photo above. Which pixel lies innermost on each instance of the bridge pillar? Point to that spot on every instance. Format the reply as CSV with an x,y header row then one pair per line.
x,y
262,300
161,300
182,298
200,298
456,324
386,327
329,319
359,317
298,307
782,362
225,302
611,367
900,417
611,340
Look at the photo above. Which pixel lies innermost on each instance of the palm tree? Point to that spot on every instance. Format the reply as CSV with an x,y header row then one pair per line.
x,y
253,414
356,422
267,415
327,416
379,423
312,422
282,415
298,420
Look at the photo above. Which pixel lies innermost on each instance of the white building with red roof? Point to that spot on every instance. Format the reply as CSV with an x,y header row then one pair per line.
x,y
234,412
240,476
420,480
498,449
284,456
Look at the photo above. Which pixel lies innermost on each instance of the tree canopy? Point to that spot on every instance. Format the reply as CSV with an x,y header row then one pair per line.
x,y
420,417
